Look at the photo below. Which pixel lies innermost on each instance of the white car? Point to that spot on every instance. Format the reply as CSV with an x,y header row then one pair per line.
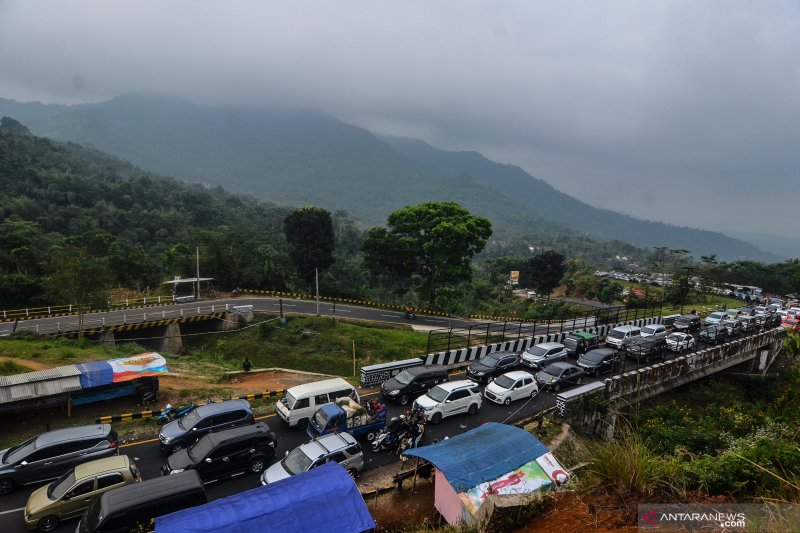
x,y
447,399
653,329
511,386
715,318
680,342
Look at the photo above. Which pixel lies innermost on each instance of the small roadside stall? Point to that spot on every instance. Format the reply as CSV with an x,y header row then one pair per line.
x,y
491,460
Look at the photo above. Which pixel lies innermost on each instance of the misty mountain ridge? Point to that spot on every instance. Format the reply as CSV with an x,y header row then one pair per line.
x,y
301,158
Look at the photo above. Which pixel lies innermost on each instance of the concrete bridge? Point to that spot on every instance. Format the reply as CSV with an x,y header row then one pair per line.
x,y
594,407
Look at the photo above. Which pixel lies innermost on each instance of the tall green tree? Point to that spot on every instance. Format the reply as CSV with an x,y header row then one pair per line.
x,y
543,272
436,240
309,232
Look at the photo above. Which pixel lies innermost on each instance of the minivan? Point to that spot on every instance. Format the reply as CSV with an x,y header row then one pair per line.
x,y
51,454
413,382
187,430
299,403
134,507
341,448
622,335
226,453
70,495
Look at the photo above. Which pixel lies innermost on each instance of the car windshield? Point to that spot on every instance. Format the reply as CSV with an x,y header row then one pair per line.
x,y
288,400
595,357
537,351
717,316
488,361
437,394
675,337
547,376
571,342
649,330
296,461
19,452
616,334
200,449
504,382
321,419
189,419
60,486
403,378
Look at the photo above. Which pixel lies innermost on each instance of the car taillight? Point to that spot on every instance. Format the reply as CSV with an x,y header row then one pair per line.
x,y
112,444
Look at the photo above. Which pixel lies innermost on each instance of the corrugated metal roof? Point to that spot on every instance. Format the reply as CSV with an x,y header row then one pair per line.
x,y
40,375
26,391
40,383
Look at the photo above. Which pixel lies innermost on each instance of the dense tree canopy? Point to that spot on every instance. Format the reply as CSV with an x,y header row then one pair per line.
x,y
309,232
543,272
436,240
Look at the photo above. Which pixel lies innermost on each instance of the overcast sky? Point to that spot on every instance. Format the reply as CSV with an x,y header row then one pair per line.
x,y
681,111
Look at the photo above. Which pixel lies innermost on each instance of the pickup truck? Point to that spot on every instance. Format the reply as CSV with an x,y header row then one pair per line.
x,y
334,418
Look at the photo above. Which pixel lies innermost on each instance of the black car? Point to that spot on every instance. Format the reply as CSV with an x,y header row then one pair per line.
x,y
557,375
734,327
687,323
490,366
714,334
597,361
645,349
413,382
51,454
208,418
226,453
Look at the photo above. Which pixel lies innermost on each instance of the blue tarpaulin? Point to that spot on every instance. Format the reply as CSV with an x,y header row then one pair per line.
x,y
482,454
323,500
95,374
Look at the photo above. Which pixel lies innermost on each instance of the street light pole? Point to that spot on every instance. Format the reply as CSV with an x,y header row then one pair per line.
x,y
316,278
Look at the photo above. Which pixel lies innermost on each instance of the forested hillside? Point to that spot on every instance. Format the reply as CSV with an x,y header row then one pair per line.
x,y
299,158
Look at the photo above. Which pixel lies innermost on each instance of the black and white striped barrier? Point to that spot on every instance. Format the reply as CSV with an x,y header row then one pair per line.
x,y
373,375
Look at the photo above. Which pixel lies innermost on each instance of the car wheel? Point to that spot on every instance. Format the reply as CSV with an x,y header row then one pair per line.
x,y
257,465
177,448
557,387
507,401
436,418
48,523
302,423
473,409
375,447
404,399
579,380
489,379
370,436
6,486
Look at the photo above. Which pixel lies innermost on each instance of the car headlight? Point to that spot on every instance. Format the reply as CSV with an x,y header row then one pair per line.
x,y
478,373
394,392
166,440
177,471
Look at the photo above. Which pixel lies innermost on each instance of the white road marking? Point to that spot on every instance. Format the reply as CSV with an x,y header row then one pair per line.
x,y
286,305
339,310
391,316
433,320
13,510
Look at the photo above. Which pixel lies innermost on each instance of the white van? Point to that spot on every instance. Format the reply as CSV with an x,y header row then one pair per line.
x,y
622,335
299,403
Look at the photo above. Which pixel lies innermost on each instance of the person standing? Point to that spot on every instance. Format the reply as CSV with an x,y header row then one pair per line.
x,y
246,365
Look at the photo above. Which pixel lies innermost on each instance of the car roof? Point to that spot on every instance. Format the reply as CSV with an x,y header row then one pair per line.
x,y
221,407
549,345
318,386
425,368
458,384
149,490
585,335
558,365
501,353
98,431
688,317
626,328
518,374
98,466
601,350
327,444
218,437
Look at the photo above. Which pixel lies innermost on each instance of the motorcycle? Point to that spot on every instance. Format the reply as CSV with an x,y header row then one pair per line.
x,y
388,437
171,412
410,315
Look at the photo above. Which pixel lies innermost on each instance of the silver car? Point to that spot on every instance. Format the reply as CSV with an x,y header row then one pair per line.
x,y
340,447
541,355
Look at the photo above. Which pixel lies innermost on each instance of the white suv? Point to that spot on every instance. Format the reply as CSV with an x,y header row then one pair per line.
x,y
449,399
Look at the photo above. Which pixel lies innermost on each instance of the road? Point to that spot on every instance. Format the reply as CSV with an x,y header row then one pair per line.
x,y
148,457
63,324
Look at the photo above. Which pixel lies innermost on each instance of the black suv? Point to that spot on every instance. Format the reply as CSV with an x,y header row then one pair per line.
x,y
51,454
208,418
597,361
644,349
413,382
687,323
490,366
226,453
713,334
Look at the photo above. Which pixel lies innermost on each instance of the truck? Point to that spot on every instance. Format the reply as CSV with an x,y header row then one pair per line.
x,y
335,418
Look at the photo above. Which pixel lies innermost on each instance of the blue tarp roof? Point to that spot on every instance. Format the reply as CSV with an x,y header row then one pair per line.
x,y
481,454
95,374
322,500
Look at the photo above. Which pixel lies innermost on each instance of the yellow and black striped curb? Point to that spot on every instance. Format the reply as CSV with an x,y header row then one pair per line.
x,y
108,419
155,323
35,317
367,303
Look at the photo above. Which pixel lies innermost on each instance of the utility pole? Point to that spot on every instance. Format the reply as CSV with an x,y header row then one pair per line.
x,y
197,252
316,278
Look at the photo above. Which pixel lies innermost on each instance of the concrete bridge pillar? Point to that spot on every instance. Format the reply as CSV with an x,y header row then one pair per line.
x,y
232,320
172,341
766,356
108,339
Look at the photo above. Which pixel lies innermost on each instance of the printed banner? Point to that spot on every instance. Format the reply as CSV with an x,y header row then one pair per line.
x,y
138,366
530,477
554,471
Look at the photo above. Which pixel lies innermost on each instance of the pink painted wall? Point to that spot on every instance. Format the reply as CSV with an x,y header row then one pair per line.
x,y
445,499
